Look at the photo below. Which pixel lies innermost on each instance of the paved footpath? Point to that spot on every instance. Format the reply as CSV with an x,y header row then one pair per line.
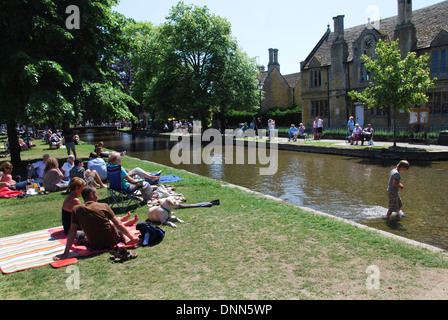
x,y
432,147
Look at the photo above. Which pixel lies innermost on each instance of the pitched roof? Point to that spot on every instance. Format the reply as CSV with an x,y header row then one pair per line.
x,y
428,22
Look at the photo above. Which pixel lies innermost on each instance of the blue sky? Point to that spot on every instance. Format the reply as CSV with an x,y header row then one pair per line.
x,y
291,26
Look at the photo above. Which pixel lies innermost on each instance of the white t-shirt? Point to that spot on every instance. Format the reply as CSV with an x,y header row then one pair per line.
x,y
66,167
39,167
99,165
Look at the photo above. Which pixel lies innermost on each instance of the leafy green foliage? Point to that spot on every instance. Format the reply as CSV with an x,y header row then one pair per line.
x,y
106,102
44,65
397,83
191,66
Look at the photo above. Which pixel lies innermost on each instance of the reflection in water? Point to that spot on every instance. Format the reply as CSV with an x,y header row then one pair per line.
x,y
352,188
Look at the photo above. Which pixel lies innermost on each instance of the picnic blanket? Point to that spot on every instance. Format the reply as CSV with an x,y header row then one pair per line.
x,y
169,178
164,179
59,234
36,249
5,192
29,250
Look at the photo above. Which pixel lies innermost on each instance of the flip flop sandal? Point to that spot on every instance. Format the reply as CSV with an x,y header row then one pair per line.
x,y
121,255
117,254
132,255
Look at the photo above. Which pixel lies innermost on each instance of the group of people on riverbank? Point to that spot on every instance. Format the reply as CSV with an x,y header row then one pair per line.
x,y
91,223
94,224
356,133
49,177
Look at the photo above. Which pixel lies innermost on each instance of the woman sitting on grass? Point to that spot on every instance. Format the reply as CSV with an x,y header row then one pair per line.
x,y
75,187
52,177
5,176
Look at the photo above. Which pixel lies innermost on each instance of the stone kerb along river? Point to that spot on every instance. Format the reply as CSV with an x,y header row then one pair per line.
x,y
351,188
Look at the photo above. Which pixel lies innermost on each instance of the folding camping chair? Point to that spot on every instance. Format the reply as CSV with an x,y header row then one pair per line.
x,y
117,192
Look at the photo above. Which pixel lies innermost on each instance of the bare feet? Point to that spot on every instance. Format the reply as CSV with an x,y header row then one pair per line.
x,y
132,243
131,222
126,217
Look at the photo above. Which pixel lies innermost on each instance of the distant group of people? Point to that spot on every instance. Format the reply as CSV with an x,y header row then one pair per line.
x,y
47,174
318,127
294,132
356,133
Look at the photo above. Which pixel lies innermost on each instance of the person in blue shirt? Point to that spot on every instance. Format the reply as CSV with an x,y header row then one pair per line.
x,y
97,164
293,133
129,182
350,127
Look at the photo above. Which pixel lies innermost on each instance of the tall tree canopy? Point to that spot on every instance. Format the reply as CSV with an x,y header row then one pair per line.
x,y
192,67
47,68
396,83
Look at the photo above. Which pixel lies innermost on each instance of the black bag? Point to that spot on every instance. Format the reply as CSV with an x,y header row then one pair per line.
x,y
150,234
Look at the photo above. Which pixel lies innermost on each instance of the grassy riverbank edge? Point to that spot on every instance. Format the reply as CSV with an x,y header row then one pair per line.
x,y
249,247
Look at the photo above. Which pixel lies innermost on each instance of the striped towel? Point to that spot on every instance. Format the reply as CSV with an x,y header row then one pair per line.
x,y
29,250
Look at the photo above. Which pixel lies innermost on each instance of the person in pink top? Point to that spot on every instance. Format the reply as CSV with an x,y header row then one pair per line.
x,y
52,177
6,179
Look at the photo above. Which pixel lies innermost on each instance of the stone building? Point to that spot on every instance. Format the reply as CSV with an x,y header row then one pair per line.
x,y
334,67
279,91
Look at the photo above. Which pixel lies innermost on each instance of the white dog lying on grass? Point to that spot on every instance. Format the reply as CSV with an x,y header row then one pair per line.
x,y
162,213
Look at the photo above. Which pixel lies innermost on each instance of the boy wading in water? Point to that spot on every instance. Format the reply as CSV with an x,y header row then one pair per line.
x,y
394,186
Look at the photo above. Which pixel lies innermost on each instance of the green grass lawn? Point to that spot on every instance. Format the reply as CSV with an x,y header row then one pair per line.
x,y
248,247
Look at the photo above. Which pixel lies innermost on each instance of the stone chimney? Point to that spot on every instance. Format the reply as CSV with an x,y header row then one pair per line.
x,y
338,28
273,60
405,30
339,56
404,12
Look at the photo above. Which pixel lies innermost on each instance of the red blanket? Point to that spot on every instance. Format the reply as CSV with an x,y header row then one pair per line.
x,y
5,192
58,234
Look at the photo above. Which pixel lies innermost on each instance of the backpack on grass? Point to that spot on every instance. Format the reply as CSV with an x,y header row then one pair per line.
x,y
150,233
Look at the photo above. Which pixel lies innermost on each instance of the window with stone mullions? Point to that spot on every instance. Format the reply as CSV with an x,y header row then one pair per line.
x,y
319,108
439,61
315,78
365,75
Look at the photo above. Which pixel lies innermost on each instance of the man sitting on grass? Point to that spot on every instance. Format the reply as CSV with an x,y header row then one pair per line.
x,y
101,229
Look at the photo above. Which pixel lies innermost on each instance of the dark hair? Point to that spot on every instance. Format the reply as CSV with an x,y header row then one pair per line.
x,y
93,155
87,192
403,164
77,161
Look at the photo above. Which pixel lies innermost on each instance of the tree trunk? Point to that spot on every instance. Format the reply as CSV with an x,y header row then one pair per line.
x,y
13,142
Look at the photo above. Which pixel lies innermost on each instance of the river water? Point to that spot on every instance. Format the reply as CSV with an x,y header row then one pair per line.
x,y
351,188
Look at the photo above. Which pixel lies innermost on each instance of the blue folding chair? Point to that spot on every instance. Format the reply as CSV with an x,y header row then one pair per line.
x,y
117,192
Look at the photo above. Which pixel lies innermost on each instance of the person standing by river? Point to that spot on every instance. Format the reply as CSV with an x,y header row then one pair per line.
x,y
394,186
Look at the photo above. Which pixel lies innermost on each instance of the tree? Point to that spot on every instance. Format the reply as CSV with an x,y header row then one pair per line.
x,y
44,64
396,83
137,64
194,67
